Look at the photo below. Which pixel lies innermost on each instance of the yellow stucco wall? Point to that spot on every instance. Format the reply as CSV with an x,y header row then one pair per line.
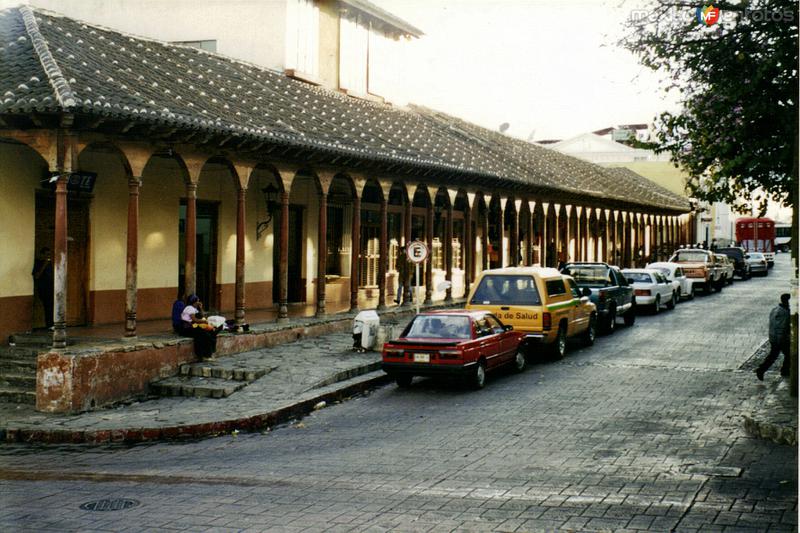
x,y
20,172
108,220
663,173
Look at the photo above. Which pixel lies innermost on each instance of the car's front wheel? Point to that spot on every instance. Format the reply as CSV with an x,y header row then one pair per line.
x,y
520,362
691,293
672,301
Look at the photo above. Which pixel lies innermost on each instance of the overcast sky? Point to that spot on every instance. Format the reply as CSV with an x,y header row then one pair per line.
x,y
550,68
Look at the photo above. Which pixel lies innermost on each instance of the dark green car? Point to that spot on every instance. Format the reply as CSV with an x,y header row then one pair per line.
x,y
611,292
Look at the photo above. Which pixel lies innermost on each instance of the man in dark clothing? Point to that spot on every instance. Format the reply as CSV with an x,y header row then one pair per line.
x,y
43,282
779,335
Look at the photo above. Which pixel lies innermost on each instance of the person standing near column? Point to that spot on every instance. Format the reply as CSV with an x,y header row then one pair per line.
x,y
43,282
779,334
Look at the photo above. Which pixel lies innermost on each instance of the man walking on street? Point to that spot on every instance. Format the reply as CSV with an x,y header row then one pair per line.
x,y
779,334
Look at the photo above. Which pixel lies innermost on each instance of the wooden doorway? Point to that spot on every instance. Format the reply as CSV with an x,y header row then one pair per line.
x,y
77,252
205,250
296,283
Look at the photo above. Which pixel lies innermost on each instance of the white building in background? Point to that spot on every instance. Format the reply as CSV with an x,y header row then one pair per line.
x,y
349,45
715,222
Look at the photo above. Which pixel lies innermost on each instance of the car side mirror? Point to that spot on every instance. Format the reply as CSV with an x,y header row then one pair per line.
x,y
629,280
586,291
747,256
508,327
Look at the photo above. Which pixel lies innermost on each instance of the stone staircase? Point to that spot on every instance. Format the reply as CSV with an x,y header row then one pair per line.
x,y
18,367
208,379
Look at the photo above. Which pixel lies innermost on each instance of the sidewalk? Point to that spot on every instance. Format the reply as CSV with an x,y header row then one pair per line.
x,y
277,384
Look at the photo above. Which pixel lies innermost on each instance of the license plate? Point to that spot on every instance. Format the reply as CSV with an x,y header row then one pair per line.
x,y
422,358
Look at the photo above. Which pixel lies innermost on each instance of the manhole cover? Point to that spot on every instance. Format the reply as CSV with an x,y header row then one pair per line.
x,y
117,504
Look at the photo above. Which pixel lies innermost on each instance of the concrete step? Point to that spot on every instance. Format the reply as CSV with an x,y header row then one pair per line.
x,y
17,395
196,387
223,371
21,381
18,366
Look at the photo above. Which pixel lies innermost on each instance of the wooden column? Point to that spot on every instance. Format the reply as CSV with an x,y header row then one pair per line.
x,y
60,265
407,299
513,245
429,263
468,251
241,203
190,238
322,253
448,253
283,261
383,244
132,256
501,233
354,253
530,239
485,241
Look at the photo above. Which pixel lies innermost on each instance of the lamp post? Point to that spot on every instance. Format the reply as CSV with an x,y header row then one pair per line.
x,y
270,194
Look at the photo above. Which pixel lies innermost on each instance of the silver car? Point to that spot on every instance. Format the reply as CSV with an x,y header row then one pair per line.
x,y
758,263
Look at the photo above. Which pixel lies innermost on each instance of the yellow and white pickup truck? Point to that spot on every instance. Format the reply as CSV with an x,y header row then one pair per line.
x,y
541,302
700,268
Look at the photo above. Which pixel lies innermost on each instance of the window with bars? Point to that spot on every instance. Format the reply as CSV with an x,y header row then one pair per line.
x,y
437,254
457,254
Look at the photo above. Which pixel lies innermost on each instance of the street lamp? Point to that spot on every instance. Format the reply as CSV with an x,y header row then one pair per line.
x,y
270,194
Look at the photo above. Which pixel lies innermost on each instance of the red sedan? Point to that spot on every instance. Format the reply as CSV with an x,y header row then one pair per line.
x,y
460,343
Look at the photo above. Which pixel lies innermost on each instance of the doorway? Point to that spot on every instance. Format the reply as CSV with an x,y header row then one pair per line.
x,y
205,250
77,253
296,282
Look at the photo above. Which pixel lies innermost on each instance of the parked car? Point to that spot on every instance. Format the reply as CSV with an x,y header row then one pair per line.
x,y
610,292
736,254
542,303
459,343
758,263
727,267
651,288
674,273
701,269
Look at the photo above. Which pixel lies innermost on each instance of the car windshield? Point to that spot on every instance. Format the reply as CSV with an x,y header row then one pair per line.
x,y
756,255
597,275
638,277
503,289
439,327
690,255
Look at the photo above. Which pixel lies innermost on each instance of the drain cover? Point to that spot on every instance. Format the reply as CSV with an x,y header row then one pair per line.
x,y
118,504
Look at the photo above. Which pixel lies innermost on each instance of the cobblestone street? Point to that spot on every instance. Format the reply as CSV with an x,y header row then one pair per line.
x,y
641,432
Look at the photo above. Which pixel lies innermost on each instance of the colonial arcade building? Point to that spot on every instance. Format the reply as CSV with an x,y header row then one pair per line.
x,y
153,169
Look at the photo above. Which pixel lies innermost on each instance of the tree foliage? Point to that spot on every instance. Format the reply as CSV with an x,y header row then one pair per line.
x,y
736,133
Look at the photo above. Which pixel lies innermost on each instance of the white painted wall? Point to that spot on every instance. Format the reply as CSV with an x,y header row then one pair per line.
x,y
251,30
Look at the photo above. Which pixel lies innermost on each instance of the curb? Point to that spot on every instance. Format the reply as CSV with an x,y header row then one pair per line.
x,y
777,433
297,409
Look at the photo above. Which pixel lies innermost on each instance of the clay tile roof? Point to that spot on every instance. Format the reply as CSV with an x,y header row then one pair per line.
x,y
51,63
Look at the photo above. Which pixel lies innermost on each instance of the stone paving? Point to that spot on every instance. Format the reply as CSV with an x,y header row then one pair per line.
x,y
641,432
